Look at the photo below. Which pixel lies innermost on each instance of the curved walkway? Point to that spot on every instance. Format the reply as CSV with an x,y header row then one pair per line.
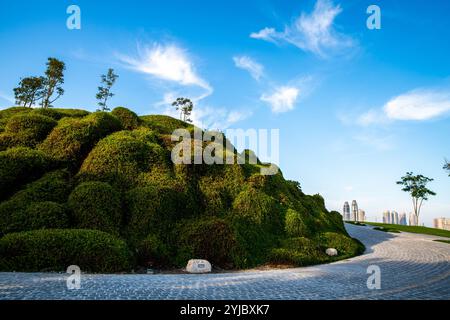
x,y
412,266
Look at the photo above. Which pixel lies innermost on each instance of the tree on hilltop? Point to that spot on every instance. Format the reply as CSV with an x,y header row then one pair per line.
x,y
104,92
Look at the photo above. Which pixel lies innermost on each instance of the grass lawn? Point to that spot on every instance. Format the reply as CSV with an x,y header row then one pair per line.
x,y
422,230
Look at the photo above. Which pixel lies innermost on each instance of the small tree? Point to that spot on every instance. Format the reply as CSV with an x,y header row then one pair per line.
x,y
447,167
104,92
54,79
185,106
30,90
415,185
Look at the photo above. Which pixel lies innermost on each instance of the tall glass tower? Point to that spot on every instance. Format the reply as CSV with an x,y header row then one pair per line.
x,y
346,211
354,211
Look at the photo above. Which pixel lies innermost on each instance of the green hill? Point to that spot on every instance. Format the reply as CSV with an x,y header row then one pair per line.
x,y
99,190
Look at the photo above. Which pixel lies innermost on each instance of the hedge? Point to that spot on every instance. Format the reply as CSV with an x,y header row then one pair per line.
x,y
120,157
28,129
73,138
153,210
56,249
54,187
127,118
209,238
96,205
19,166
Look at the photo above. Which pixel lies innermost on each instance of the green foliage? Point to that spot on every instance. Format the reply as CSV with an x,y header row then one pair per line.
x,y
153,210
28,129
55,250
294,225
258,207
52,82
412,229
127,118
46,215
73,138
298,251
120,157
54,186
19,166
208,238
164,124
96,205
58,114
30,90
152,252
104,91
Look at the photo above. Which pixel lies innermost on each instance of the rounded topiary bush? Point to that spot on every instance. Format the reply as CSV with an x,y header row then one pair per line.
x,y
209,238
153,210
120,157
56,249
54,187
29,129
152,252
73,138
96,205
345,246
18,166
46,215
127,118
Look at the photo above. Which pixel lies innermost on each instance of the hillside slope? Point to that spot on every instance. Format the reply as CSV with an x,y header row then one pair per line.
x,y
99,190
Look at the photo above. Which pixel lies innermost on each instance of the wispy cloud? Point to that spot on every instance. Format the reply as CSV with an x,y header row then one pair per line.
x,y
282,99
313,32
415,105
166,62
212,118
6,98
255,69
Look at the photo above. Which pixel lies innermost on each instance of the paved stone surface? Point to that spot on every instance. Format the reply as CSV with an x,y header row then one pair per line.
x,y
412,267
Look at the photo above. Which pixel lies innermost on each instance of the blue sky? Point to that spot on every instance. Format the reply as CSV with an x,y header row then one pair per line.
x,y
356,108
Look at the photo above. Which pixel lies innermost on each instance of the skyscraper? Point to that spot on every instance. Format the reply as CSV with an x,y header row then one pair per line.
x,y
346,211
403,220
394,215
361,215
354,210
442,223
387,217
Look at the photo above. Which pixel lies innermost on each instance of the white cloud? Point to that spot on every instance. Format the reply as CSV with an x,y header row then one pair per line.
x,y
255,69
282,99
312,32
166,62
212,118
418,105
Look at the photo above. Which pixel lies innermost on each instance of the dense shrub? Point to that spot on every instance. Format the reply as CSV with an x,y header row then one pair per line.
x,y
55,250
28,129
19,166
120,157
46,215
257,207
152,252
96,205
58,114
73,138
220,187
294,224
153,210
298,252
6,114
209,238
346,246
54,186
164,124
127,118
